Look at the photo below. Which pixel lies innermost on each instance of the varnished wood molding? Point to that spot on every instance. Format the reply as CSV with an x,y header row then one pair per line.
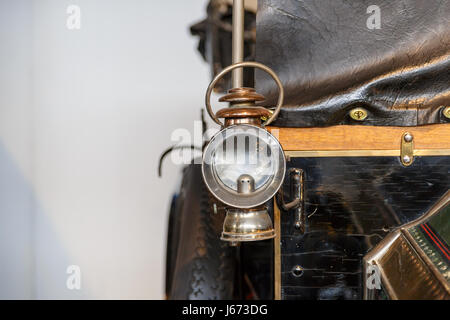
x,y
277,252
346,137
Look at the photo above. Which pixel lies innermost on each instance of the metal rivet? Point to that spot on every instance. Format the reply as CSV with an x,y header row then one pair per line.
x,y
297,271
358,114
406,159
446,112
408,137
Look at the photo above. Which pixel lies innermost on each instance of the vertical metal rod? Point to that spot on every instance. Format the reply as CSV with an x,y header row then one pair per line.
x,y
237,76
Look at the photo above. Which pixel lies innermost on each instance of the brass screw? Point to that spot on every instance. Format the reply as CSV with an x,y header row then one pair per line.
x,y
446,112
358,114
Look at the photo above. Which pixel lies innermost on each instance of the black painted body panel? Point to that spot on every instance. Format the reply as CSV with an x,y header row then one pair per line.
x,y
358,200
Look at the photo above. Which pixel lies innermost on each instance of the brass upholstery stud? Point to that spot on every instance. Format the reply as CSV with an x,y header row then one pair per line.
x,y
446,112
358,114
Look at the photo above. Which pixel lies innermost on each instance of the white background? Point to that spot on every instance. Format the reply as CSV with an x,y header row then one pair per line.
x,y
84,115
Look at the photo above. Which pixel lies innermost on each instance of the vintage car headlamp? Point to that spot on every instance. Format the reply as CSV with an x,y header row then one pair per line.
x,y
243,166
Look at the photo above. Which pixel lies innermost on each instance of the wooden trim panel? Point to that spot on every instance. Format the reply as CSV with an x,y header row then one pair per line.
x,y
344,137
364,153
277,252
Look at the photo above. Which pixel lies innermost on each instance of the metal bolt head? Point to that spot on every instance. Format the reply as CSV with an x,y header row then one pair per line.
x,y
406,159
358,114
446,112
408,137
297,271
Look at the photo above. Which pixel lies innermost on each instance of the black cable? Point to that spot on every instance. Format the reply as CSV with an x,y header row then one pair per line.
x,y
169,150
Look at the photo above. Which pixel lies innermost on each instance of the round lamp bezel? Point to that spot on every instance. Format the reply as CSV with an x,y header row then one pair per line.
x,y
229,196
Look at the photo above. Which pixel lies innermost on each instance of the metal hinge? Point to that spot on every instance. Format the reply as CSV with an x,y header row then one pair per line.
x,y
407,149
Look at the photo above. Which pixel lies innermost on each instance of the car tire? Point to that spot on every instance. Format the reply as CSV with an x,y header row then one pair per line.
x,y
199,265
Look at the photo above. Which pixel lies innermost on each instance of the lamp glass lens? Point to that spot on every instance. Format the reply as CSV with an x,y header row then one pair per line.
x,y
244,153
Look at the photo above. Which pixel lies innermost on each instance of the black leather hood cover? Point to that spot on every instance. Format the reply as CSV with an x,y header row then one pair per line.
x,y
330,61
